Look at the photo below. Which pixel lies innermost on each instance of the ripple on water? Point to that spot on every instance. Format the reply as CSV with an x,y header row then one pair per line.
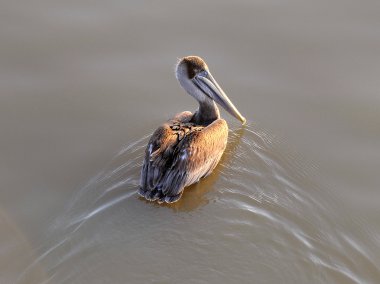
x,y
258,214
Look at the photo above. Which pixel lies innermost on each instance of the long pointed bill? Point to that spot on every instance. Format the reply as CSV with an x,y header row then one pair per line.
x,y
211,88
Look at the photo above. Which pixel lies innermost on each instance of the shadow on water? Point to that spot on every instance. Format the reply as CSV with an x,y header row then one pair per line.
x,y
259,204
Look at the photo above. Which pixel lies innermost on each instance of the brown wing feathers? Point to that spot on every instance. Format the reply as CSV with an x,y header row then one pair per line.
x,y
178,155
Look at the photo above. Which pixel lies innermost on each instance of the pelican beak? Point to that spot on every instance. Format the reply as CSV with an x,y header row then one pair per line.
x,y
207,84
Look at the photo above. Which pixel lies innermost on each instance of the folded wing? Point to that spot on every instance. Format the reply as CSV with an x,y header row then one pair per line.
x,y
178,155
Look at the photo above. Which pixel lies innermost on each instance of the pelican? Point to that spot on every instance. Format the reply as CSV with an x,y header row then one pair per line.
x,y
189,146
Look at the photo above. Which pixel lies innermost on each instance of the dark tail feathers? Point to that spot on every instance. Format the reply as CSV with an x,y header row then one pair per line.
x,y
157,194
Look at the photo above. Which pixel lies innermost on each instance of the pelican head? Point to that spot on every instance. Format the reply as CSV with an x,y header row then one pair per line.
x,y
195,77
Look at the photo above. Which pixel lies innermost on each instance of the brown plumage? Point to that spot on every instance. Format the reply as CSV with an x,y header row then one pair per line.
x,y
189,146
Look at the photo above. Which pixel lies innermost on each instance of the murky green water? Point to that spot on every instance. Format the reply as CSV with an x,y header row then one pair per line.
x,y
295,198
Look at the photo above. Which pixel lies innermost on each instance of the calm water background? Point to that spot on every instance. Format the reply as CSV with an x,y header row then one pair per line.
x,y
296,196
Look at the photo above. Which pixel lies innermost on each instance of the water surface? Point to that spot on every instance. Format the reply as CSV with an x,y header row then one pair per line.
x,y
295,198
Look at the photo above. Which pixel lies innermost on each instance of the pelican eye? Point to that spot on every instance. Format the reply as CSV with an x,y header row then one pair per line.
x,y
203,73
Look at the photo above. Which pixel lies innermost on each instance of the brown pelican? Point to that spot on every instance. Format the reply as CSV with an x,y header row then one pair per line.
x,y
189,146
